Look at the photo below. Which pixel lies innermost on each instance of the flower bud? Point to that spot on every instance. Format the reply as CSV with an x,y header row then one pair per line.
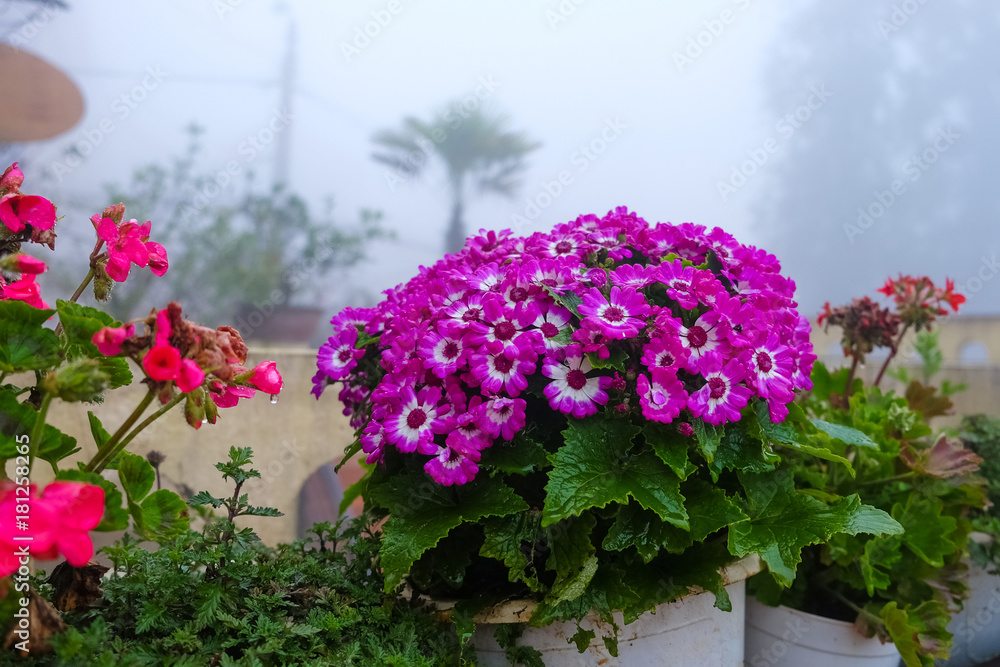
x,y
116,213
211,410
21,263
102,281
12,178
266,378
81,380
194,408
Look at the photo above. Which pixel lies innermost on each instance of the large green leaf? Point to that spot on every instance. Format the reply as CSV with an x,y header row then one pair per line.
x,y
26,345
670,446
594,467
846,434
784,521
709,437
928,531
786,435
520,456
18,419
422,512
709,509
505,538
80,323
136,475
572,557
741,452
643,529
161,516
920,633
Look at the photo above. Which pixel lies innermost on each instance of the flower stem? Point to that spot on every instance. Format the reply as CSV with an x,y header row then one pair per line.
x,y
886,480
146,422
38,430
892,353
102,451
77,294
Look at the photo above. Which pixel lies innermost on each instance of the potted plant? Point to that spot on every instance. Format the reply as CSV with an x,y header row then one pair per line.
x,y
891,588
584,421
81,358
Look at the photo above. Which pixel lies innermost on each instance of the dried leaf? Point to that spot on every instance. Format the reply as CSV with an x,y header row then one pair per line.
x,y
76,587
947,458
43,622
922,399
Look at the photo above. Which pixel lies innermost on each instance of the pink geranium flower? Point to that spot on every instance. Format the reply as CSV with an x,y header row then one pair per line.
x,y
109,339
571,391
127,245
16,211
60,519
162,363
24,289
265,377
190,376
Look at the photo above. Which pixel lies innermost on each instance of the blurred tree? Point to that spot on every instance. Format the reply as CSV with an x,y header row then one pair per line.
x,y
231,242
476,149
895,172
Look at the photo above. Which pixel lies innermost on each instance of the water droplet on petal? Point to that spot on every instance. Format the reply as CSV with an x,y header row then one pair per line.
x,y
274,399
204,420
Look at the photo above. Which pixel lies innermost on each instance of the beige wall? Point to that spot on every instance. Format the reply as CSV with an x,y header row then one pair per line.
x,y
292,438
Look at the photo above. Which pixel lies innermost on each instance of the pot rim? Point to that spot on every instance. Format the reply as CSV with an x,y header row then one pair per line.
x,y
520,611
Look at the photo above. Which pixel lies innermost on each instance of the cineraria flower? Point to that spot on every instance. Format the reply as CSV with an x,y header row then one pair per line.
x,y
571,391
373,442
663,398
465,311
708,334
417,418
617,316
337,357
550,323
503,417
665,351
443,354
453,465
722,397
505,370
502,328
633,275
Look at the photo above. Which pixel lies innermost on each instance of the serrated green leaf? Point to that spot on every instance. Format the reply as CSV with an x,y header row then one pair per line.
x,y
741,452
670,446
920,634
616,360
118,371
136,475
784,521
571,557
927,529
25,345
709,436
414,527
101,436
846,434
786,435
568,299
18,419
880,554
594,467
643,529
204,498
163,515
582,638
709,509
505,539
520,456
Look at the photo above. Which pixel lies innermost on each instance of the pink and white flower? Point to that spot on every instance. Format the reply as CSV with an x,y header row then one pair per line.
x,y
722,397
618,316
416,420
663,397
572,391
503,417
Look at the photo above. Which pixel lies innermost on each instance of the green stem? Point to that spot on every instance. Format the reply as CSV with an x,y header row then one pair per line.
x,y
138,429
887,480
38,430
77,294
112,442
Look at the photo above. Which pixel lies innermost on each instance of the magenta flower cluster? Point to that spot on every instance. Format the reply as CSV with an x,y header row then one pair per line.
x,y
696,324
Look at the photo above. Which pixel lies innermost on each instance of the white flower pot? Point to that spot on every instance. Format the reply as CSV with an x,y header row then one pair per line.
x,y
783,637
689,631
977,627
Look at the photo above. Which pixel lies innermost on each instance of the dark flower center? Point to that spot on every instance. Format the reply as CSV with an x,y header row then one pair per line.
x,y
503,364
564,247
716,387
549,330
472,314
416,418
666,360
504,330
764,362
450,350
697,337
576,379
518,294
344,356
614,314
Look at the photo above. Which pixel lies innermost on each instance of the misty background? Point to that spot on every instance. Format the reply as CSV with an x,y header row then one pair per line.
x,y
855,140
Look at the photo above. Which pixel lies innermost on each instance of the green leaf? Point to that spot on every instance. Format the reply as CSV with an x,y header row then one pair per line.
x,y
880,554
520,456
594,468
505,538
205,498
709,436
115,516
670,446
741,452
919,633
644,530
101,436
118,371
18,419
354,491
568,299
162,516
709,509
784,521
418,522
616,360
786,435
582,638
136,475
927,529
25,345
351,450
572,557
846,434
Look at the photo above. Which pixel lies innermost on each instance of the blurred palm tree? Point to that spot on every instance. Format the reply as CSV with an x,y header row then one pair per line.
x,y
476,148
